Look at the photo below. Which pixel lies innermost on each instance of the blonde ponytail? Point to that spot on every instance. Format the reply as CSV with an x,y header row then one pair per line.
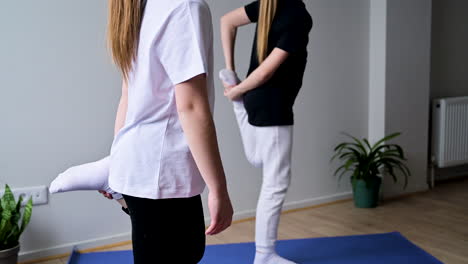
x,y
265,19
125,17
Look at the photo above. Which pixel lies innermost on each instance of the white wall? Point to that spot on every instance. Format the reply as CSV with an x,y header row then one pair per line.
x,y
400,34
58,98
334,96
60,93
377,69
449,48
407,93
449,55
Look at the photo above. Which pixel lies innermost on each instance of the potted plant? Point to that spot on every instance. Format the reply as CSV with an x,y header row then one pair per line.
x,y
366,165
12,225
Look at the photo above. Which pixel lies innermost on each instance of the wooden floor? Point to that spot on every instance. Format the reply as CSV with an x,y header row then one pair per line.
x,y
437,221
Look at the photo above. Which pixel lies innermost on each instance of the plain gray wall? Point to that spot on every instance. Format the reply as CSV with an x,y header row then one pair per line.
x,y
60,93
377,69
59,96
408,85
449,56
399,60
449,74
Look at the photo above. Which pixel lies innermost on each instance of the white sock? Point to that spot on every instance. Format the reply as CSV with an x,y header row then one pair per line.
x,y
229,77
270,258
91,176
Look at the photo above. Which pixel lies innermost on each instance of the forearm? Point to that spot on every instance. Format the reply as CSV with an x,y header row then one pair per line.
x,y
200,133
228,38
229,24
255,80
264,72
121,111
120,117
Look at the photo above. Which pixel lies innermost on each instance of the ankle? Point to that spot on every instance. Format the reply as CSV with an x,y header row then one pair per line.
x,y
265,249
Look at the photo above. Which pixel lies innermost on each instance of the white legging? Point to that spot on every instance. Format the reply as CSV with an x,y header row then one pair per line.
x,y
269,148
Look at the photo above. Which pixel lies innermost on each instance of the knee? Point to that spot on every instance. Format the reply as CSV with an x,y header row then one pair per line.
x,y
253,159
274,193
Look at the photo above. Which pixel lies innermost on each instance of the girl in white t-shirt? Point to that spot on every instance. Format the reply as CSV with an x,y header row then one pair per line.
x,y
165,147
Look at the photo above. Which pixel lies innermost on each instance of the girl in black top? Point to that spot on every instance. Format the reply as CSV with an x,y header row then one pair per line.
x,y
263,102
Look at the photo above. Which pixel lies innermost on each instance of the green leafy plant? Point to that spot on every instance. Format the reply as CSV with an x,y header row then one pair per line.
x,y
12,224
365,161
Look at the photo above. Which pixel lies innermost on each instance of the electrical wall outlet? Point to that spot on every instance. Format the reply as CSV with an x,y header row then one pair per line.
x,y
39,194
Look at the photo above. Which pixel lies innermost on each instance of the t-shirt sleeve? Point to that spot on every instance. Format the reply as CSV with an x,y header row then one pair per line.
x,y
184,42
252,11
295,38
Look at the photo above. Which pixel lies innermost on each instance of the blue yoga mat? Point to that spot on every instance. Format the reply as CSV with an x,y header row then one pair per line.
x,y
390,248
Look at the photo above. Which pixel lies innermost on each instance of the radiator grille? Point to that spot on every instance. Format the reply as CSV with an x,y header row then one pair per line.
x,y
450,129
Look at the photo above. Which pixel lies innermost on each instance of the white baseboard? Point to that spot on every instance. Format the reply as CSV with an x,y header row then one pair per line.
x,y
81,245
297,204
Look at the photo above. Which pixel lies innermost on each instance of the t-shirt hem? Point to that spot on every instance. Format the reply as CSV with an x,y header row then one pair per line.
x,y
264,123
185,76
161,193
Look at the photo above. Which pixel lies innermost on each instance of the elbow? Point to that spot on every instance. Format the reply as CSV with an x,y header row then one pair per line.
x,y
186,108
194,114
192,109
223,21
226,23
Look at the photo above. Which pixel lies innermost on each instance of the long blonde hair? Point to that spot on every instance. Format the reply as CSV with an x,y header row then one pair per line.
x,y
265,19
125,17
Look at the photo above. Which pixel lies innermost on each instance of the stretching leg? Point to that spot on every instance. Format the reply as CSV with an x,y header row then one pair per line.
x,y
89,176
247,130
248,135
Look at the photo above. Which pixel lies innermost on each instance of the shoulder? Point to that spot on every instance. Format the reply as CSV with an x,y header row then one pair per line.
x,y
252,11
253,6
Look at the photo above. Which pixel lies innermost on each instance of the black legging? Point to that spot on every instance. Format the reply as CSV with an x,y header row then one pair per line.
x,y
167,230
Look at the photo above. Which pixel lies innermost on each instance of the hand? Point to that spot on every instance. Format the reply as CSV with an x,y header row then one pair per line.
x,y
228,86
221,212
232,93
107,195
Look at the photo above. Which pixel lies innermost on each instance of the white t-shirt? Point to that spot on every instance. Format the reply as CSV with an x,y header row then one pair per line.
x,y
150,157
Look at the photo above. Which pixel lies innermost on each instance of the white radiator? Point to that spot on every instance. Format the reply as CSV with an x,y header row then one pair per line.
x,y
450,131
